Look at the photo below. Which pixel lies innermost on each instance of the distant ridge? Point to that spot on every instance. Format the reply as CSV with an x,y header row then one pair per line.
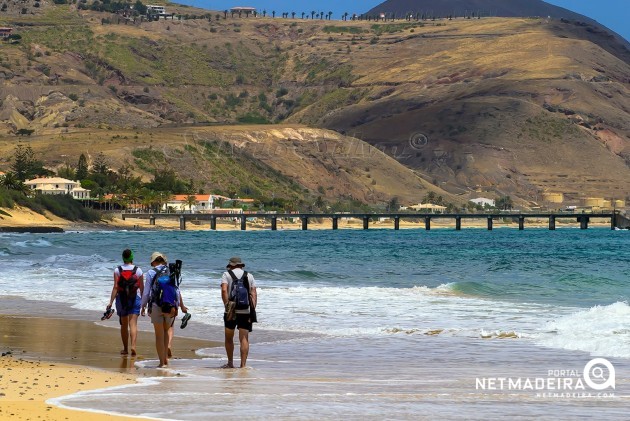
x,y
494,8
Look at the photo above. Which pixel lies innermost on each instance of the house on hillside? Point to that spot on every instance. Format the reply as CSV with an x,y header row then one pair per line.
x,y
428,207
205,203
153,10
483,202
57,185
239,9
5,33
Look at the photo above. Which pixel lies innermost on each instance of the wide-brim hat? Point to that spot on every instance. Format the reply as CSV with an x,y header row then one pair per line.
x,y
235,262
156,255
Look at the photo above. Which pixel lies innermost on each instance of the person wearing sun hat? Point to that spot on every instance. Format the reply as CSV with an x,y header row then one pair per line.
x,y
127,285
241,318
162,322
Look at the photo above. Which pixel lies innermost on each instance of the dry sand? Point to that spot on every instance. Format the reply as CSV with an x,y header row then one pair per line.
x,y
43,354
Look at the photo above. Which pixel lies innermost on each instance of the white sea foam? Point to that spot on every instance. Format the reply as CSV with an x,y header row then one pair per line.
x,y
600,331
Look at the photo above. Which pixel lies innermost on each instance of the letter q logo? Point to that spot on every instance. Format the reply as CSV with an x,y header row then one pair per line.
x,y
596,369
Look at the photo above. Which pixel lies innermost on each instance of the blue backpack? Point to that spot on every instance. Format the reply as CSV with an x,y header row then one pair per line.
x,y
165,287
240,291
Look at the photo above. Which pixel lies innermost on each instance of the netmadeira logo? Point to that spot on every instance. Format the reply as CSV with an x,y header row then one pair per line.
x,y
597,379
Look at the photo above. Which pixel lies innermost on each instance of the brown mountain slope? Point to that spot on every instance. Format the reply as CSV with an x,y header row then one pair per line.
x,y
291,162
507,106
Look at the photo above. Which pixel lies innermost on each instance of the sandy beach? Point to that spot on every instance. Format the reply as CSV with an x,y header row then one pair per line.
x,y
45,358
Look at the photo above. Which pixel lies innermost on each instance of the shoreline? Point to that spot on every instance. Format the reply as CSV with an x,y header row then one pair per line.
x,y
45,358
21,220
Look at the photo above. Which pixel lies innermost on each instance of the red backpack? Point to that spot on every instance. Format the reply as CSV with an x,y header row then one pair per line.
x,y
128,284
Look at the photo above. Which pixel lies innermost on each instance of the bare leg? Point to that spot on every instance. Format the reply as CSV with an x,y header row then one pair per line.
x,y
133,330
229,347
124,334
159,343
168,334
170,342
243,338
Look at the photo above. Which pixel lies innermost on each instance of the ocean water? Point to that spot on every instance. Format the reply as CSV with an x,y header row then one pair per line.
x,y
377,324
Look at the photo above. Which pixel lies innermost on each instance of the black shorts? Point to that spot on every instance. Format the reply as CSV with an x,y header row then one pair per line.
x,y
243,321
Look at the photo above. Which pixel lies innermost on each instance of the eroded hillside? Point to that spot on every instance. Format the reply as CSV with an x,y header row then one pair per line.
x,y
502,106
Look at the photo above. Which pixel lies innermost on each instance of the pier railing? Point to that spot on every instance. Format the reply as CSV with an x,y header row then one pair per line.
x,y
583,219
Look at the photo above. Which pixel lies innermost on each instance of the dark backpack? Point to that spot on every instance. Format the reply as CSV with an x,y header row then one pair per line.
x,y
128,284
240,291
165,286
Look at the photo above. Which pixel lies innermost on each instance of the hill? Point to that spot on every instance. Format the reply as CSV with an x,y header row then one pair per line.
x,y
485,8
491,106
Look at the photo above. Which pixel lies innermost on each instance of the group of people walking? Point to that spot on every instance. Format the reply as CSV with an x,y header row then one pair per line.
x,y
157,293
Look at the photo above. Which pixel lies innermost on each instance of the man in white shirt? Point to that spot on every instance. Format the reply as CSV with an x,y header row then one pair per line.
x,y
241,317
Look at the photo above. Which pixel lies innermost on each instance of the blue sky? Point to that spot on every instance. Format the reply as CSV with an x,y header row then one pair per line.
x,y
615,14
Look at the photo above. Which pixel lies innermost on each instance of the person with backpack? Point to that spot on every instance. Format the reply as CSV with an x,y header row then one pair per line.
x,y
127,291
162,298
238,291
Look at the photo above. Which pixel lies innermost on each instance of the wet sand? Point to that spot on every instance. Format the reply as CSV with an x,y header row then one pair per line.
x,y
46,358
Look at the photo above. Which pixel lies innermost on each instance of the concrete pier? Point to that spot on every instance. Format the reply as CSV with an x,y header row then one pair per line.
x,y
583,219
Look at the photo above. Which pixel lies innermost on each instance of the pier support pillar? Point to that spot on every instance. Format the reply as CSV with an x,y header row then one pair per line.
x,y
427,223
304,223
213,223
182,223
458,223
366,222
489,223
274,223
243,222
521,223
335,222
613,221
151,220
583,222
397,222
552,222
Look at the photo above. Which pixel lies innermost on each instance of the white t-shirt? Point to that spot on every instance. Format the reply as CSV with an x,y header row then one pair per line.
x,y
238,272
129,266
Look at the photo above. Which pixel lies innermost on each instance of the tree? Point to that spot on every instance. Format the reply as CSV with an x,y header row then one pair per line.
x,y
100,165
24,132
504,203
25,165
11,182
67,172
82,168
191,200
393,205
140,8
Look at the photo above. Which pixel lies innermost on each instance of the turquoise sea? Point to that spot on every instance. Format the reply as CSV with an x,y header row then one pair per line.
x,y
377,324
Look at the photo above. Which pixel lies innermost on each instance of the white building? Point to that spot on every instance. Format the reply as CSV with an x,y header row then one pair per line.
x,y
153,9
57,185
483,201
